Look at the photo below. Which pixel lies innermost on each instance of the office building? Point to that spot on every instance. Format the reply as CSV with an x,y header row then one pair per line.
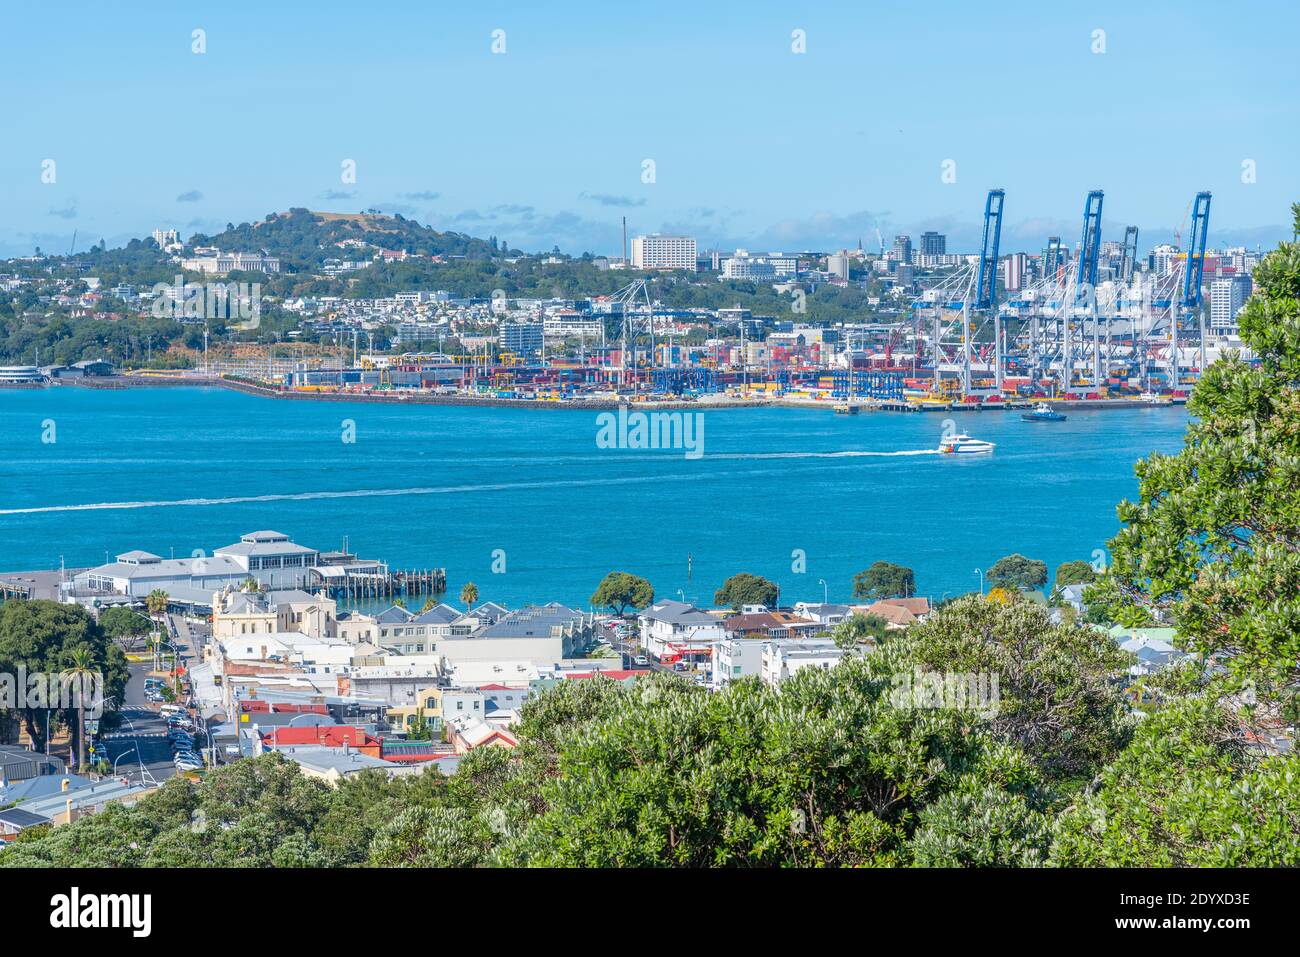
x,y
663,252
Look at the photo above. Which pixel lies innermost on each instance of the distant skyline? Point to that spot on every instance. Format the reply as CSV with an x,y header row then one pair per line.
x,y
753,145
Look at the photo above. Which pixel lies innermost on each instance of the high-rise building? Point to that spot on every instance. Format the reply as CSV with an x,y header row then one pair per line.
x,y
1163,258
903,249
934,244
663,252
1227,297
1014,275
837,264
521,338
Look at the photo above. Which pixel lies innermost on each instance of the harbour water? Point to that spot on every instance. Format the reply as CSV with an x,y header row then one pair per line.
x,y
797,496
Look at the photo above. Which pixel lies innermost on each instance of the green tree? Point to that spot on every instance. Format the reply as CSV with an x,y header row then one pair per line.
x,y
1077,572
860,628
884,580
746,589
619,591
1057,698
1214,537
469,594
1187,792
40,636
124,624
1017,573
157,601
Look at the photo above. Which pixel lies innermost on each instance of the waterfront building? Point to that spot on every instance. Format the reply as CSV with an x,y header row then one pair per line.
x,y
674,628
521,338
20,375
663,252
266,556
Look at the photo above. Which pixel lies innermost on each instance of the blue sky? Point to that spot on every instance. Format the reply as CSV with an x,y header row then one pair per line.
x,y
753,144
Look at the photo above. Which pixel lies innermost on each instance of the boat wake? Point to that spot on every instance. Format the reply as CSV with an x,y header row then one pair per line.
x,y
453,489
820,455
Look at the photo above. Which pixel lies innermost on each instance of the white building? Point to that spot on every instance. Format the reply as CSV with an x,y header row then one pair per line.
x,y
218,263
267,556
781,659
736,658
762,268
1227,298
675,628
663,252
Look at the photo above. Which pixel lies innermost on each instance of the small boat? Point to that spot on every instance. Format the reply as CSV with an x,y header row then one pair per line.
x,y
846,408
962,444
1043,413
1155,398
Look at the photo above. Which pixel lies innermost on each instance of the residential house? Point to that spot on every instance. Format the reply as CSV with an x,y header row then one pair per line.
x,y
673,629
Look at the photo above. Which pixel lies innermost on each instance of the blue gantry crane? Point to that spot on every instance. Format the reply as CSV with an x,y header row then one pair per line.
x,y
1196,251
986,289
1129,259
1090,245
1052,259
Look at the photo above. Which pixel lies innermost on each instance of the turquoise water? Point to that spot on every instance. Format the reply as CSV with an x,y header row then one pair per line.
x,y
426,486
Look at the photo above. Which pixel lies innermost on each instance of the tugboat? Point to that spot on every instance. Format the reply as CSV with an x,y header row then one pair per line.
x,y
962,444
1155,398
1043,413
847,408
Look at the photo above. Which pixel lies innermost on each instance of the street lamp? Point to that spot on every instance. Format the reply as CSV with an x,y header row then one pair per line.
x,y
822,582
980,572
120,757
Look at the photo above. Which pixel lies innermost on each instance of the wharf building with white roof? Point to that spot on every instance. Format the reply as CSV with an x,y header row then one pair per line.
x,y
269,557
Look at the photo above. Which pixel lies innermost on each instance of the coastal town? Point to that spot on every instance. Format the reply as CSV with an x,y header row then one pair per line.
x,y
342,665
584,462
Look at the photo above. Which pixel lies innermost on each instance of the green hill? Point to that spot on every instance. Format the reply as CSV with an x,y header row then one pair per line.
x,y
303,239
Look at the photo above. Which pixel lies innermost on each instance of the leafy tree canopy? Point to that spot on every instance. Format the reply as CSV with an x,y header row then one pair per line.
x,y
884,580
746,589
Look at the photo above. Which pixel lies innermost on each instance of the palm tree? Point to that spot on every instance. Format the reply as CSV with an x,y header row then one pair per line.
x,y
428,604
80,674
469,594
157,602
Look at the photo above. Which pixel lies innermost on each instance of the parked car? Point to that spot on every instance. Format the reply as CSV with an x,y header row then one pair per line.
x,y
188,764
641,661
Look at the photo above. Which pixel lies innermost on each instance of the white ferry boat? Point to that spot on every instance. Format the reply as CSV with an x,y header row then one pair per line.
x,y
962,444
